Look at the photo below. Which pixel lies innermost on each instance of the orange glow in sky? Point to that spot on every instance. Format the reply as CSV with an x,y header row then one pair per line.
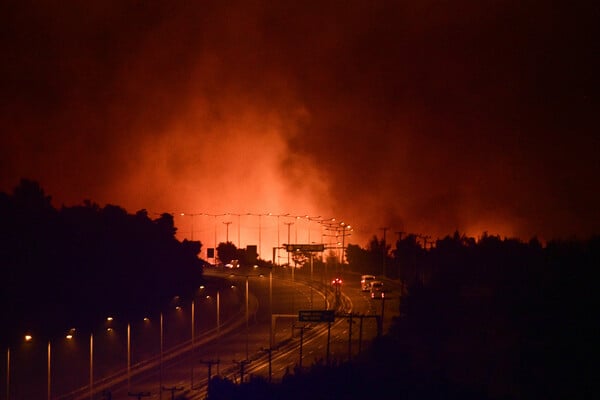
x,y
383,115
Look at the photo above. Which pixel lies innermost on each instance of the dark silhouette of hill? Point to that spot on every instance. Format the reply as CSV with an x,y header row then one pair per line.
x,y
74,266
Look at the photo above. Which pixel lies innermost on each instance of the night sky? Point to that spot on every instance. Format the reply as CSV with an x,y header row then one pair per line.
x,y
420,116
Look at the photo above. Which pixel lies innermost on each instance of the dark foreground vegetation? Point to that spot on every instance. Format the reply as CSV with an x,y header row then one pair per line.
x,y
490,318
485,318
75,265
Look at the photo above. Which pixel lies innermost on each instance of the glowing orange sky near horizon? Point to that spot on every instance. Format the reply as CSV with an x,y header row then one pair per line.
x,y
393,115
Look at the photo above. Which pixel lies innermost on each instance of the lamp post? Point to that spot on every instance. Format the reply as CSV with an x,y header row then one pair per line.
x,y
247,276
91,365
310,219
246,317
160,377
259,231
278,238
227,223
8,373
193,333
192,216
49,371
129,356
218,327
239,241
288,242
215,226
344,227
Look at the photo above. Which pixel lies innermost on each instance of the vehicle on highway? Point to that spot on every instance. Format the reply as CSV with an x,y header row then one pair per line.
x,y
365,282
336,282
377,290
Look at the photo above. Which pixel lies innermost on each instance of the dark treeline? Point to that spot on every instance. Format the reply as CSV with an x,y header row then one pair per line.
x,y
485,318
74,266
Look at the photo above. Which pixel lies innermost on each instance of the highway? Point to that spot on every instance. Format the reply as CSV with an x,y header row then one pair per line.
x,y
236,334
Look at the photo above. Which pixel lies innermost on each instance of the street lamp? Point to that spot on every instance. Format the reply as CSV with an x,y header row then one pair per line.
x,y
247,276
193,332
191,215
344,227
288,242
49,371
239,241
259,231
278,238
227,234
215,226
8,373
310,219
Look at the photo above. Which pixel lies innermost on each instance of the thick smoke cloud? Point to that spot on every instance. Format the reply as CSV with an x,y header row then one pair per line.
x,y
416,116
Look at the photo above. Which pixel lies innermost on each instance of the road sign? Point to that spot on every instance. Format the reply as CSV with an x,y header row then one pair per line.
x,y
316,316
305,247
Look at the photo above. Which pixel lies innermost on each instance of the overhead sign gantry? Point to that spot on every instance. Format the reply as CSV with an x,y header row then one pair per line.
x,y
304,247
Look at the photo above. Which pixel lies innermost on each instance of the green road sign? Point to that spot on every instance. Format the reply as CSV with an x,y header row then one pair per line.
x,y
316,316
305,247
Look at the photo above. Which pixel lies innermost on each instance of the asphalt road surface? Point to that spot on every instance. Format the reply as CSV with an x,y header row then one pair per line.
x,y
237,334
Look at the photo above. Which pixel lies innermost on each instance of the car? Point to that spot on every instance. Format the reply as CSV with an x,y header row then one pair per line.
x,y
365,282
336,282
377,290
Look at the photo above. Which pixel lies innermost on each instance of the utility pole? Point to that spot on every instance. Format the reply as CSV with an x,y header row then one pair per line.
x,y
384,249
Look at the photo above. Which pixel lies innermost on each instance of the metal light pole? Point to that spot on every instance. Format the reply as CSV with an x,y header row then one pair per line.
x,y
190,215
218,327
161,358
192,357
49,371
246,317
271,308
259,235
8,373
278,238
227,223
129,356
91,366
344,227
288,242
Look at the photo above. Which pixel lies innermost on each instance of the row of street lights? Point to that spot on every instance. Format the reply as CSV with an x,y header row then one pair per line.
x,y
325,223
71,334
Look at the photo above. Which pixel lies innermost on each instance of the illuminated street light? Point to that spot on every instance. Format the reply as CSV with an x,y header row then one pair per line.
x,y
238,226
278,237
215,226
259,231
192,215
8,373
247,276
288,242
344,228
193,332
227,223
